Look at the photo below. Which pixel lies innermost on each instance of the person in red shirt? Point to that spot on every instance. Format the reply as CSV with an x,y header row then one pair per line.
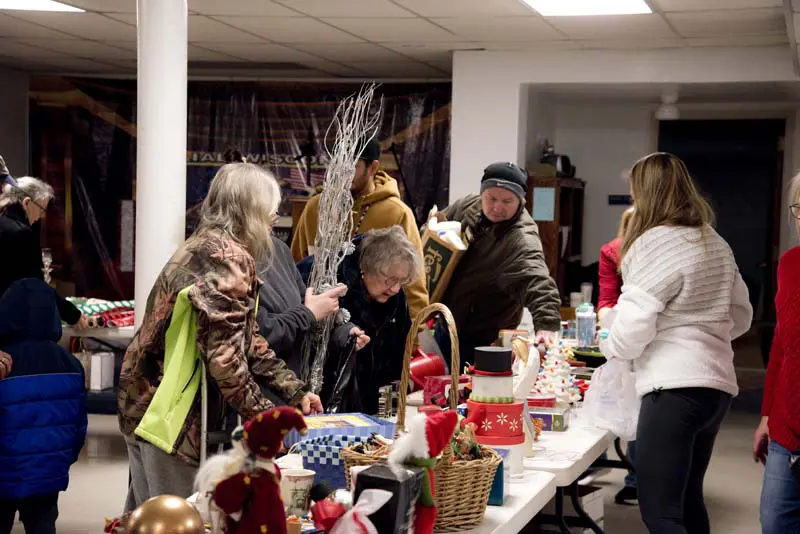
x,y
610,285
778,435
610,281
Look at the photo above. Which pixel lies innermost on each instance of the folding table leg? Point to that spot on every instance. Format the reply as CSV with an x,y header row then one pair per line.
x,y
561,522
583,517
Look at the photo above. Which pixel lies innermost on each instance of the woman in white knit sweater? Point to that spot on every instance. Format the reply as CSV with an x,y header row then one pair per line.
x,y
683,301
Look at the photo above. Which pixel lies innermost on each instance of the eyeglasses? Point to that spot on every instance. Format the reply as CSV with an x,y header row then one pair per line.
x,y
795,209
392,281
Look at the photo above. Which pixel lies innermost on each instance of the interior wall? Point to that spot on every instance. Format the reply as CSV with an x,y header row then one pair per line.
x,y
603,140
14,120
540,125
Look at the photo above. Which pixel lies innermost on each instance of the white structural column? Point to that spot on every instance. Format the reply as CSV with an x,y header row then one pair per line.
x,y
161,139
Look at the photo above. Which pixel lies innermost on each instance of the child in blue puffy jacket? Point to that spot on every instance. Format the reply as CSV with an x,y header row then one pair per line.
x,y
42,408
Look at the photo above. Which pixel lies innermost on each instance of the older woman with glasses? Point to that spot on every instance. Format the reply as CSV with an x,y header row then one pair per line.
x,y
777,440
23,203
383,264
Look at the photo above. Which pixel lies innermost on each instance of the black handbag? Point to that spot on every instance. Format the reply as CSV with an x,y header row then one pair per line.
x,y
345,397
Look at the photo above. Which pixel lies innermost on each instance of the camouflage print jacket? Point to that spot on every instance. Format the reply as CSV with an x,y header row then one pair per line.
x,y
238,360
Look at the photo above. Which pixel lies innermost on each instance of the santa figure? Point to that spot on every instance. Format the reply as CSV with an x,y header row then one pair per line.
x,y
250,497
428,435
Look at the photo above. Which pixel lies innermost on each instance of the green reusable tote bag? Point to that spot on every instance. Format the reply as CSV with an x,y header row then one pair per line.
x,y
164,419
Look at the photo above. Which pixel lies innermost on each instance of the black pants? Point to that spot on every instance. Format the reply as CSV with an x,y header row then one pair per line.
x,y
674,441
38,514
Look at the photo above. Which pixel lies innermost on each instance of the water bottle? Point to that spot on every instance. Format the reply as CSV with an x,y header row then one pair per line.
x,y
587,324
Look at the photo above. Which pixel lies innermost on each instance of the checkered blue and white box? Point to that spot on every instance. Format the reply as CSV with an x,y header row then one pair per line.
x,y
323,455
367,425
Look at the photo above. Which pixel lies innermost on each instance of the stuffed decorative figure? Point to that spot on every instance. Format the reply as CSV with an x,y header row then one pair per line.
x,y
251,497
427,437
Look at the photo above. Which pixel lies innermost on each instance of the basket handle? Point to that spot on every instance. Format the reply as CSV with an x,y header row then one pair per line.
x,y
411,342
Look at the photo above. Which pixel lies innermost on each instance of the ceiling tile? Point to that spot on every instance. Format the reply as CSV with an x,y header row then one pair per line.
x,y
330,68
199,53
739,40
632,44
612,27
252,8
347,8
13,27
431,52
500,28
290,30
531,46
258,51
83,25
82,48
711,5
410,69
78,66
127,18
212,31
466,8
706,23
395,30
14,48
351,52
104,6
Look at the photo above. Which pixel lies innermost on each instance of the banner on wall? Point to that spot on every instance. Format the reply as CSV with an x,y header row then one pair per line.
x,y
83,142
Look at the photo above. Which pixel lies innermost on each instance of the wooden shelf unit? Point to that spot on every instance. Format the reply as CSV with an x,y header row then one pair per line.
x,y
566,223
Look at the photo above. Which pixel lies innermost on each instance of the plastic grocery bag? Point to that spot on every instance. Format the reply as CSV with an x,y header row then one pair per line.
x,y
611,402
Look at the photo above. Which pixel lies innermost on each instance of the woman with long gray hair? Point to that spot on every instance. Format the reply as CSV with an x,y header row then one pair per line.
x,y
212,279
23,203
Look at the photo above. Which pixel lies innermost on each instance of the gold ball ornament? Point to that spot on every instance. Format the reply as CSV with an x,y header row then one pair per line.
x,y
165,514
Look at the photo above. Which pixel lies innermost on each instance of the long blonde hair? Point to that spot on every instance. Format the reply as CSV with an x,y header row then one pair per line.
x,y
242,202
625,222
664,195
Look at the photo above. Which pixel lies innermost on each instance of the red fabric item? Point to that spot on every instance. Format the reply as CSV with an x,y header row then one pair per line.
x,y
264,433
610,281
326,514
425,517
439,429
257,496
782,388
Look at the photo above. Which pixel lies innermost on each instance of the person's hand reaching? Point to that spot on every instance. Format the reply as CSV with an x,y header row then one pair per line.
x,y
311,404
5,364
761,441
326,303
362,339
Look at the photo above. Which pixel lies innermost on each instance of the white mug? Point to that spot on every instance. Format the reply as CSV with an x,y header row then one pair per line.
x,y
295,488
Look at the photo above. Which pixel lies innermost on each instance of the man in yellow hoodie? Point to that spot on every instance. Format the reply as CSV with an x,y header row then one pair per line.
x,y
377,204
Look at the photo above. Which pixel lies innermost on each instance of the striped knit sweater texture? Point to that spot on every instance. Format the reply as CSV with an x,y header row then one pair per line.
x,y
683,301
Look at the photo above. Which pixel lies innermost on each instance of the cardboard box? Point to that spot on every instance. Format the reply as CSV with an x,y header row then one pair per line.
x,y
101,370
441,259
591,499
555,419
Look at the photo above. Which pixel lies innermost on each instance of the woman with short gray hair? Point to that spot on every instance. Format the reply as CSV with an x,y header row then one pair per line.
x,y
23,203
383,264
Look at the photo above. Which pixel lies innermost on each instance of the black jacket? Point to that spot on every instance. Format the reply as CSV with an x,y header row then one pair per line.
x,y
379,363
22,256
282,318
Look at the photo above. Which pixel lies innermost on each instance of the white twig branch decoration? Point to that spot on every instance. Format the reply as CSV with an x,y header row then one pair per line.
x,y
356,122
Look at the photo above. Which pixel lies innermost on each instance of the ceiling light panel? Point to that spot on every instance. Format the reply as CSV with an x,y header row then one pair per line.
x,y
37,5
583,8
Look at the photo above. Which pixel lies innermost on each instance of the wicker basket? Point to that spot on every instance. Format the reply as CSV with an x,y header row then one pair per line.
x,y
462,488
352,458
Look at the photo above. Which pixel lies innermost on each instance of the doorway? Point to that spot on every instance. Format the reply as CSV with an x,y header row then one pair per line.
x,y
738,165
